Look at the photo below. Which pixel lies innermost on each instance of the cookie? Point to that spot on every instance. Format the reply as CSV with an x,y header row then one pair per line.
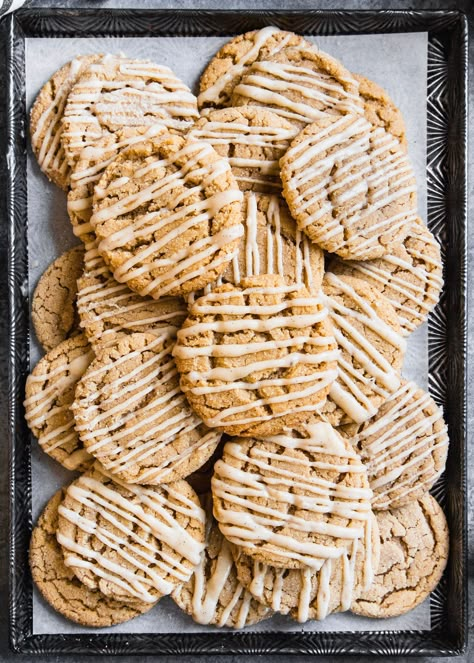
x,y
413,555
53,307
380,110
294,500
107,308
60,587
46,120
167,215
404,447
350,187
49,395
257,357
253,140
214,595
301,85
233,60
308,594
367,332
132,416
410,276
130,542
118,92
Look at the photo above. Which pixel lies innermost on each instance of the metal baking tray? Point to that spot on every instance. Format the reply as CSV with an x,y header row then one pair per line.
x,y
446,178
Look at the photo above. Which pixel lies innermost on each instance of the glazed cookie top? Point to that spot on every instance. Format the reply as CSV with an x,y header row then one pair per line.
x,y
253,139
257,357
46,119
404,447
300,84
350,187
133,543
380,110
60,587
306,593
118,92
410,276
233,60
107,308
414,551
132,416
294,500
49,395
53,307
367,332
167,214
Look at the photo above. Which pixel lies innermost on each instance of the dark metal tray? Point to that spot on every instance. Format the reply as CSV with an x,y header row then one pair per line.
x,y
446,176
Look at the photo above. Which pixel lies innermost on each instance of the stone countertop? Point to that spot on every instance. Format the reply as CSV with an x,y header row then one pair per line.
x,y
465,5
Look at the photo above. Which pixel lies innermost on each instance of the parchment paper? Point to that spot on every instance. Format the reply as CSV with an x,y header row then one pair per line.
x,y
398,62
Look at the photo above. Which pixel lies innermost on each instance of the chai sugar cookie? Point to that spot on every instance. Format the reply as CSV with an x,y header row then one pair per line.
x,y
46,120
167,215
350,187
413,554
410,276
380,110
233,60
118,92
253,140
293,500
404,447
371,349
257,357
132,543
53,307
49,394
60,587
301,85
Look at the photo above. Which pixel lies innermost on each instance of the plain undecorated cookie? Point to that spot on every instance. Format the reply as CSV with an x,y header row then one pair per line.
x,y
53,308
413,555
60,587
380,110
257,357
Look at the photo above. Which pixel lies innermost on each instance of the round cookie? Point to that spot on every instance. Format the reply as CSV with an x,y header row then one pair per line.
x,y
132,416
233,60
257,357
167,215
404,447
107,308
133,543
300,84
118,92
367,332
253,139
308,594
60,587
53,307
413,555
350,187
293,500
410,276
49,395
214,594
380,110
46,120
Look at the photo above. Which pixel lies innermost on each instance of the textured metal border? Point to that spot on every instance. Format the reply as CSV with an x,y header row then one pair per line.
x,y
447,211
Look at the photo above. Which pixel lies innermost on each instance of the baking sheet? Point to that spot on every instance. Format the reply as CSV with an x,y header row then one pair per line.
x,y
49,234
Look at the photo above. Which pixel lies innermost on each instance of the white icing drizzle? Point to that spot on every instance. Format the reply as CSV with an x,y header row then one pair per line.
x,y
374,370
144,522
246,519
280,315
395,444
167,273
365,175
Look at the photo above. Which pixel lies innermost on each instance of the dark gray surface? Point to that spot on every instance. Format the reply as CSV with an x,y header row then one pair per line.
x,y
464,5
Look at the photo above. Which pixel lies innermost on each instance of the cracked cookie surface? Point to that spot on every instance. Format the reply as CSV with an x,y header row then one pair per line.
x,y
380,110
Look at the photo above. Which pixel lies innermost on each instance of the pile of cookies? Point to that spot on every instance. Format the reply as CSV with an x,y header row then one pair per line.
x,y
223,350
